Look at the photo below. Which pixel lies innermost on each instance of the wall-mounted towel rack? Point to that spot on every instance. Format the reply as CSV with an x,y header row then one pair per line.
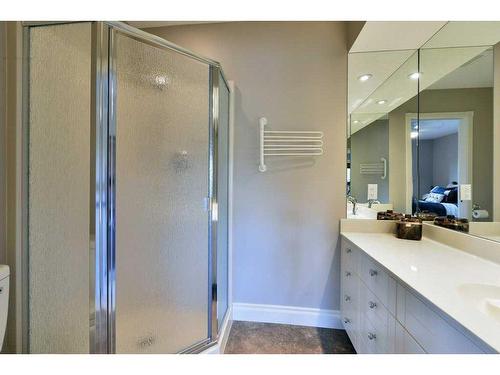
x,y
374,168
288,143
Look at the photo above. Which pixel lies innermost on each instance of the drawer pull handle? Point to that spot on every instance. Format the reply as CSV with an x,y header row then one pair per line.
x,y
347,298
348,251
347,274
372,336
347,320
372,304
373,273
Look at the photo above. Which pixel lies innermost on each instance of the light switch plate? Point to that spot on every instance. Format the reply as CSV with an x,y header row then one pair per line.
x,y
372,191
465,192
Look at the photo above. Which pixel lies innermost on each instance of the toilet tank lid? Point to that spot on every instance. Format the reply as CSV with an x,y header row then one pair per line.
x,y
4,271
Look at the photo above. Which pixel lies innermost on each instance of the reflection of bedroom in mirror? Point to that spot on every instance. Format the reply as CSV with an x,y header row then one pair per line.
x,y
444,159
423,128
456,148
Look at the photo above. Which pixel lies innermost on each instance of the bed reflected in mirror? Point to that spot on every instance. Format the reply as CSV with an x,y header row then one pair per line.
x,y
438,163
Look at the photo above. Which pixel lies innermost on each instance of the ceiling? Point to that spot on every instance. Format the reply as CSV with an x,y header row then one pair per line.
x,y
377,52
477,72
381,65
394,91
466,34
432,129
441,68
439,63
380,35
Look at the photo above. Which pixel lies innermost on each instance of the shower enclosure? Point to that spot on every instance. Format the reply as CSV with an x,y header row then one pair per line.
x,y
125,190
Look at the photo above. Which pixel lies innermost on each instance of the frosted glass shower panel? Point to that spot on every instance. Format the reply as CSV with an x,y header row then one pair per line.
x,y
162,148
59,187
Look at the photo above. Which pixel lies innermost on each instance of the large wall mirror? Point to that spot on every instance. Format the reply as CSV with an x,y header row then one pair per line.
x,y
457,125
424,128
382,87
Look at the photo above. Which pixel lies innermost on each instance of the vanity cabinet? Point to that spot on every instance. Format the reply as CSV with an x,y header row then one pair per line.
x,y
381,315
349,301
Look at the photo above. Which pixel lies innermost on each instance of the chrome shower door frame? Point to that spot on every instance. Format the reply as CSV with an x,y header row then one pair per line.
x,y
100,335
214,67
103,156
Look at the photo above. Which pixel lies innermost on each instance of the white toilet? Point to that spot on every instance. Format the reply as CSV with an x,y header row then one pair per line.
x,y
4,300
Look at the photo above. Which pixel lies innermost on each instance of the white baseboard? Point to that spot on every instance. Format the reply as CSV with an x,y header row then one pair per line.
x,y
303,316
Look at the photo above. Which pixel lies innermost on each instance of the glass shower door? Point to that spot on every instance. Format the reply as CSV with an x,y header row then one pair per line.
x,y
161,188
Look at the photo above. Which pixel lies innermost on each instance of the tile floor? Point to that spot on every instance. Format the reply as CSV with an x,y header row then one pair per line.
x,y
270,338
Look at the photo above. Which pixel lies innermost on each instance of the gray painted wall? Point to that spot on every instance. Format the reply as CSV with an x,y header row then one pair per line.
x,y
286,220
426,157
438,162
445,159
367,146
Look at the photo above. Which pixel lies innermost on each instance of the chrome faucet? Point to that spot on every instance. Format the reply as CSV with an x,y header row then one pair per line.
x,y
372,201
354,202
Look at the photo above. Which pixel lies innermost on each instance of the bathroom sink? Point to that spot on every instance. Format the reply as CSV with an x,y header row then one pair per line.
x,y
365,212
362,212
485,297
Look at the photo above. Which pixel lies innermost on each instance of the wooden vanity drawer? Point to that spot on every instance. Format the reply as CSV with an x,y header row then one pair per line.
x,y
350,292
349,305
379,282
350,256
377,338
349,282
350,321
405,344
347,274
432,332
373,309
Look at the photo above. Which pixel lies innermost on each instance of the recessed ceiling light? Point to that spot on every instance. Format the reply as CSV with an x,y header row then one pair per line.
x,y
382,101
365,77
355,122
414,76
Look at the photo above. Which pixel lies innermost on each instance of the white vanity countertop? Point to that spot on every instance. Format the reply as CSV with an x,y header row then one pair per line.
x,y
437,272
